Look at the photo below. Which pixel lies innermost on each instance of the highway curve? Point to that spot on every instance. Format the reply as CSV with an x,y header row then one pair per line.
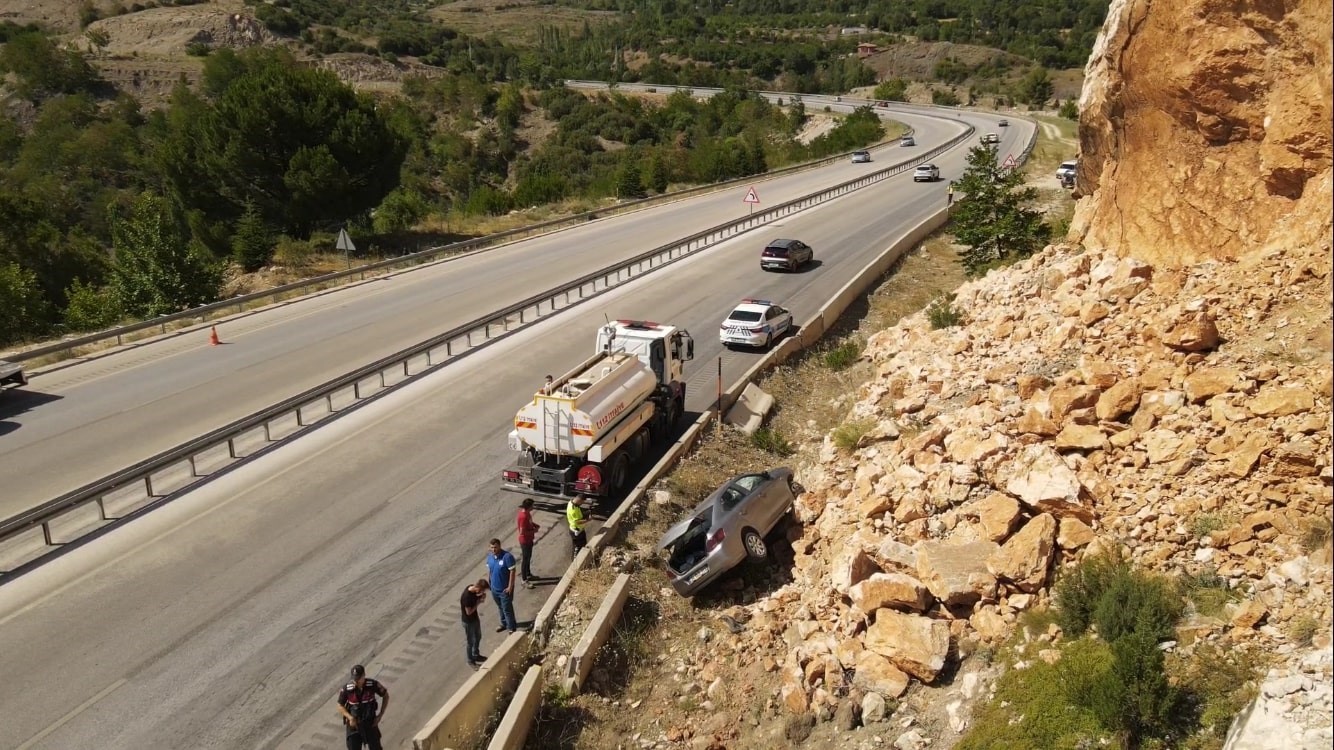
x,y
229,618
81,422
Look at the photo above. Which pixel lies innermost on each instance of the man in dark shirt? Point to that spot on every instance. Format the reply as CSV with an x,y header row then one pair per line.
x,y
472,597
356,702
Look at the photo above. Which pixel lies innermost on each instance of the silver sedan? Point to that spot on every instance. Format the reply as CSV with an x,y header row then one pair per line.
x,y
727,528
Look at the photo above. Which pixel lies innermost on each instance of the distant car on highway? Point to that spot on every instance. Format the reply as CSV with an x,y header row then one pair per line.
x,y
11,373
1003,124
861,157
1067,169
727,528
788,255
926,173
755,322
907,140
991,138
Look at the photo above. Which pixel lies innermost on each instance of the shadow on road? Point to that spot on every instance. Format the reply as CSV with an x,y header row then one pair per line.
x,y
16,401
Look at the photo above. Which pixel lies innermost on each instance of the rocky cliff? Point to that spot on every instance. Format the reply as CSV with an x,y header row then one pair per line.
x,y
1205,129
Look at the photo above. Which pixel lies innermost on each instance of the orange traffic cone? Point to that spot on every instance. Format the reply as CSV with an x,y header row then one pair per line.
x,y
213,337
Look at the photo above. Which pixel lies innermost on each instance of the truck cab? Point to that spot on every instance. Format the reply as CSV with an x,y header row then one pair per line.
x,y
664,348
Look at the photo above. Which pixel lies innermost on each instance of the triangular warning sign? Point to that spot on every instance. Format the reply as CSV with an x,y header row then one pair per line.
x,y
752,196
1009,161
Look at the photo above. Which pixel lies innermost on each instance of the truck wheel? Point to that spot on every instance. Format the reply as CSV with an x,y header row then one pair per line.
x,y
756,549
619,470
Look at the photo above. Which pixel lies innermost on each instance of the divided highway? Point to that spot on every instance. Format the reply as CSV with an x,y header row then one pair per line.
x,y
82,421
229,617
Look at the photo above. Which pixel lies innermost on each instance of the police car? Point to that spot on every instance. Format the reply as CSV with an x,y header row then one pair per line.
x,y
755,322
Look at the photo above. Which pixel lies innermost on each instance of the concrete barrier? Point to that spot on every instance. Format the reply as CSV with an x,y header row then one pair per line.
x,y
598,631
512,734
469,710
547,615
750,409
465,716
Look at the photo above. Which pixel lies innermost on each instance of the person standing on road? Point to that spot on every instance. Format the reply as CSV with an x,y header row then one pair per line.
x,y
949,194
574,516
500,563
357,704
527,536
469,601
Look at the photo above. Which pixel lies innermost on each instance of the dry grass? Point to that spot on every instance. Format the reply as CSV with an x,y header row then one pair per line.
x,y
515,21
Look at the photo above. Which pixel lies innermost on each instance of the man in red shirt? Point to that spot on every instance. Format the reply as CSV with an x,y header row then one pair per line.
x,y
527,535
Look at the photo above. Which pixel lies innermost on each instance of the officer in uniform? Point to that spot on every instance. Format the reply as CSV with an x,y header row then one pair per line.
x,y
574,516
357,704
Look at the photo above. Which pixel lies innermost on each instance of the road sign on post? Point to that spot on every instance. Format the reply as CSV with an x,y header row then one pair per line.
x,y
344,243
1010,163
752,198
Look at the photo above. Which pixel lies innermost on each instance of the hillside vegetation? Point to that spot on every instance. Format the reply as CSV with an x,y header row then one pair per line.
x,y
215,171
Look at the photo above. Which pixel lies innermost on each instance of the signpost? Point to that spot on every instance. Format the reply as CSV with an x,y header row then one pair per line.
x,y
1010,163
345,244
752,198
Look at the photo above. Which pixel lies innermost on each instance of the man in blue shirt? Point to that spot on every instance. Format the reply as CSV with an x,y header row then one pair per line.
x,y
501,565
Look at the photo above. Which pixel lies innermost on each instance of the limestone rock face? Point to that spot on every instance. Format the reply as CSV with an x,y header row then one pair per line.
x,y
1214,158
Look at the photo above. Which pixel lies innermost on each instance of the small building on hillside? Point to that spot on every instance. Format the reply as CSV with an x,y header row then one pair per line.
x,y
866,49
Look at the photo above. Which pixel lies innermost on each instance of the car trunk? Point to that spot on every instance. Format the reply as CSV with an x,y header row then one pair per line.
x,y
685,542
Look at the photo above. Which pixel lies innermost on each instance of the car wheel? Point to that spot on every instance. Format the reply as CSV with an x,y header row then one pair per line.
x,y
768,340
756,549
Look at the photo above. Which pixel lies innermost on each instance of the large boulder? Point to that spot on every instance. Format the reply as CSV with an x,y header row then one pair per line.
x,y
893,590
1025,560
1041,479
957,574
917,645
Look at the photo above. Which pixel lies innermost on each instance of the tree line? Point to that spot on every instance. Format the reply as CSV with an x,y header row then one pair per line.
x,y
109,212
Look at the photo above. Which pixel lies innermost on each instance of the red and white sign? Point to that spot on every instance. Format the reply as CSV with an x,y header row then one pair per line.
x,y
751,196
1009,162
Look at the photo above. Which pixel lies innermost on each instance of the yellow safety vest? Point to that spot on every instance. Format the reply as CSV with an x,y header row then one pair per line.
x,y
574,515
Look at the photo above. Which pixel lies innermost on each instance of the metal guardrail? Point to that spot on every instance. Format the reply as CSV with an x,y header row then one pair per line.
x,y
133,487
421,257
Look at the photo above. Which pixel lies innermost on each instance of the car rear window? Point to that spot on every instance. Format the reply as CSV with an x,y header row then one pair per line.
x,y
776,252
745,316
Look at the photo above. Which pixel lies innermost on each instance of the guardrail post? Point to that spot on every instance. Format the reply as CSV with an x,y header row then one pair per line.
x,y
194,470
148,484
46,534
102,509
231,447
268,436
328,401
356,390
299,423
405,368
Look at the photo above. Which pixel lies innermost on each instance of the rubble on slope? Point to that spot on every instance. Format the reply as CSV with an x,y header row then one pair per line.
x,y
1090,401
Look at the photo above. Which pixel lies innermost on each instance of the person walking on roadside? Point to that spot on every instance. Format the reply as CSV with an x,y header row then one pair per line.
x,y
501,565
357,704
574,516
527,536
949,194
469,601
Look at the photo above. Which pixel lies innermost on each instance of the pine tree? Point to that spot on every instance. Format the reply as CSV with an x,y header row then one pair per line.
x,y
628,182
655,174
993,220
252,245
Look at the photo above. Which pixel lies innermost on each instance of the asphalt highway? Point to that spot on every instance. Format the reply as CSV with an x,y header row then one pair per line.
x,y
79,422
229,618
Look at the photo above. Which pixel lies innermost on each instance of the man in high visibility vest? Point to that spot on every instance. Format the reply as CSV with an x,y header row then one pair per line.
x,y
574,515
949,194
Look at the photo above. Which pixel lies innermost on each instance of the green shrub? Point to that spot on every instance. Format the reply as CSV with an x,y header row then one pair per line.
x,y
770,440
91,308
1219,682
1069,109
944,98
849,434
1032,707
1079,588
941,312
1205,524
198,49
844,355
1135,602
1303,630
1208,591
293,253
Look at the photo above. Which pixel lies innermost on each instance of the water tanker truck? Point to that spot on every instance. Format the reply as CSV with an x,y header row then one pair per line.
x,y
582,433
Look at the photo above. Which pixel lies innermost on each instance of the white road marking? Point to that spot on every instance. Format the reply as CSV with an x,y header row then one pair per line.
x,y
70,716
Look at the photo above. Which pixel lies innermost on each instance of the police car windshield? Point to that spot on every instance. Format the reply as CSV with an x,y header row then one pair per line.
x,y
745,316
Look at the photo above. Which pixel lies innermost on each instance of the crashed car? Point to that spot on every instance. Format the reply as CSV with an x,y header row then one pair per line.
x,y
727,528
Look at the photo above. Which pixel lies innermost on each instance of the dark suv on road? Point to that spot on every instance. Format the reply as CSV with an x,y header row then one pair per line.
x,y
788,255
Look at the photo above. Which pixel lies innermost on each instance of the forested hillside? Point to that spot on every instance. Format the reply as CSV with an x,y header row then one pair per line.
x,y
110,209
